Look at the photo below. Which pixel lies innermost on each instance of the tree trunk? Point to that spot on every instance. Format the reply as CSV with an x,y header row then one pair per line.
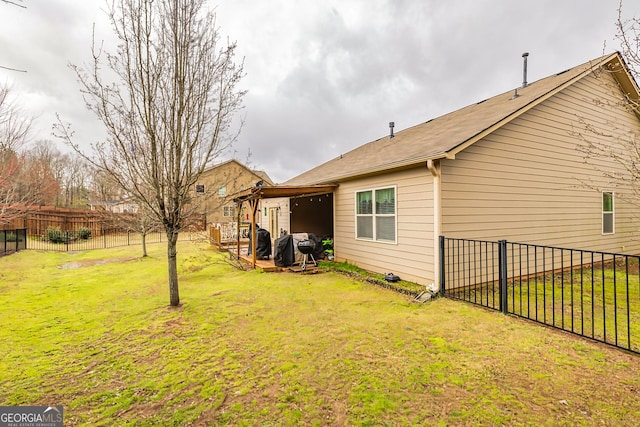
x,y
169,112
144,244
172,257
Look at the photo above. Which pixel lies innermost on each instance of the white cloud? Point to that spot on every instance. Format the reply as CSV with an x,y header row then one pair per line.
x,y
325,77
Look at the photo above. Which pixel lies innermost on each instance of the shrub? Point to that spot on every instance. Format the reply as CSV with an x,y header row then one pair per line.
x,y
8,236
83,233
55,235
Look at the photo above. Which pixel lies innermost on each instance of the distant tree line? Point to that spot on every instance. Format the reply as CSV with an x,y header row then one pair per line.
x,y
37,173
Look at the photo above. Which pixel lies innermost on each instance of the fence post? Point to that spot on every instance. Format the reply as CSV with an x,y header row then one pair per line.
x,y
441,259
502,271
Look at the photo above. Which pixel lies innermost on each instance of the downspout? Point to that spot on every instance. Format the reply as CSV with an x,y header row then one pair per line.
x,y
435,169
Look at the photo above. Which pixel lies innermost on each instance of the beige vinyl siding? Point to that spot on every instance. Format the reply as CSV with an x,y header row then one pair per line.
x,y
283,215
526,181
411,257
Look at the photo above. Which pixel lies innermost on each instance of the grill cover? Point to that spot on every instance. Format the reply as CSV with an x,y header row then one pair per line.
x,y
263,248
283,255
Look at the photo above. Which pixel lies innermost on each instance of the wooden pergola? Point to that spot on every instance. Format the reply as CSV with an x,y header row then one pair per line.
x,y
253,196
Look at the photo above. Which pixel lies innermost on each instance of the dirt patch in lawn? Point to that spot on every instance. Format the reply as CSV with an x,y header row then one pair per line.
x,y
93,262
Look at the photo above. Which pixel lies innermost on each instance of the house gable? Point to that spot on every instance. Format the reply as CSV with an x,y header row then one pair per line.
x,y
217,186
527,180
227,173
507,167
446,136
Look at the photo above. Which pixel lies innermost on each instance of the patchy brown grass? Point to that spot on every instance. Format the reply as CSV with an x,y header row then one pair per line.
x,y
249,348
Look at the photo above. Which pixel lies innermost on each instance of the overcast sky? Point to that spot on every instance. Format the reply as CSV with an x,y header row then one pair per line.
x,y
325,76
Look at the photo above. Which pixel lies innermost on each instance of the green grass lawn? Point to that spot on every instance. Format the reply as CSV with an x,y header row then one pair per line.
x,y
591,302
92,331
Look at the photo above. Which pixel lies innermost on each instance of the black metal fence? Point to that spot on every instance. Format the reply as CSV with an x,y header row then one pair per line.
x,y
12,240
588,293
82,239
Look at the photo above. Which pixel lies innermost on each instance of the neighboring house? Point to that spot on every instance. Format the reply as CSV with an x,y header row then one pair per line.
x,y
505,168
216,187
124,205
127,205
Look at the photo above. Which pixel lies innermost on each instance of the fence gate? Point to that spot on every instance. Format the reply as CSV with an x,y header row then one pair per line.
x,y
13,240
588,293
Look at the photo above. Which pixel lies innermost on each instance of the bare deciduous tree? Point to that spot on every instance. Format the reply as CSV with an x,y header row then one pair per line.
x,y
168,110
38,179
57,163
15,195
130,217
141,222
75,183
14,124
628,35
612,147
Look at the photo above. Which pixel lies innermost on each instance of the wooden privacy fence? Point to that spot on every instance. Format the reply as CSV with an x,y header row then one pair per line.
x,y
37,223
60,229
37,219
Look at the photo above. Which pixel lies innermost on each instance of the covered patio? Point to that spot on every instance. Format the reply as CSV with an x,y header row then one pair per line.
x,y
307,216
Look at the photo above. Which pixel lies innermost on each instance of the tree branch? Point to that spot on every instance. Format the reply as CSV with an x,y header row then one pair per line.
x,y
14,3
12,69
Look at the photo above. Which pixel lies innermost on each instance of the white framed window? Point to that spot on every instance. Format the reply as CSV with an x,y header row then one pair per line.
x,y
608,213
228,211
376,214
199,188
222,191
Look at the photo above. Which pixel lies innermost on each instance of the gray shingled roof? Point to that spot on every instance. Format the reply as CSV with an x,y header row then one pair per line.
x,y
446,135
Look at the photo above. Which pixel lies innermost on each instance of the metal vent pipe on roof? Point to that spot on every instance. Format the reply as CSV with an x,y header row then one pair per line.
x,y
391,125
524,69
